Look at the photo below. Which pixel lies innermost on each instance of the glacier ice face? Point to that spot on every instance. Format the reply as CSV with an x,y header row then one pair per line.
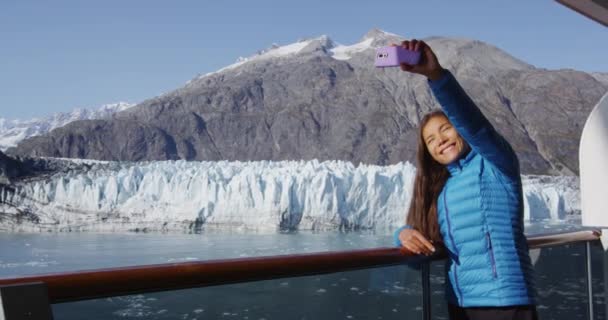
x,y
551,198
287,195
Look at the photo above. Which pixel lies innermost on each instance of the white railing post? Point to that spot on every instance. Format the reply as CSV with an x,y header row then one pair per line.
x,y
593,152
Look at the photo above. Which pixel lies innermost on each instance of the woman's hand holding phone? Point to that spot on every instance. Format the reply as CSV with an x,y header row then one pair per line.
x,y
428,65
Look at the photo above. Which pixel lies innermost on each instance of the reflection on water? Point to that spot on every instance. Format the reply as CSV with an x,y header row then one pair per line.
x,y
383,293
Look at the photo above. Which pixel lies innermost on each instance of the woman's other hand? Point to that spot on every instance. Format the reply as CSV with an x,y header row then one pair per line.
x,y
428,66
415,242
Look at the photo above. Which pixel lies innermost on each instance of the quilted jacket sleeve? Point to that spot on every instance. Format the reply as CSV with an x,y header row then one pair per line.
x,y
473,126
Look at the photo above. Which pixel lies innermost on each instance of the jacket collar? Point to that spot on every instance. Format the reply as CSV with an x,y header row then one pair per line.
x,y
456,166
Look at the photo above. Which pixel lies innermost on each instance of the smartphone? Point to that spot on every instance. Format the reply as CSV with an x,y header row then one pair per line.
x,y
394,56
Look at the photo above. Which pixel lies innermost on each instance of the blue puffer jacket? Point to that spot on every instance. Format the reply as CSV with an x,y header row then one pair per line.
x,y
480,212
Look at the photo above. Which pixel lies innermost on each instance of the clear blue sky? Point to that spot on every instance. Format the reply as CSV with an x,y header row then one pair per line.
x,y
58,55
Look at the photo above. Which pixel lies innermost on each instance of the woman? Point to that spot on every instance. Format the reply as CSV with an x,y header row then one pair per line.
x,y
468,195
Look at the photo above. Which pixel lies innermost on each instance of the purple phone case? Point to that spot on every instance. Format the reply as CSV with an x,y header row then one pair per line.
x,y
394,56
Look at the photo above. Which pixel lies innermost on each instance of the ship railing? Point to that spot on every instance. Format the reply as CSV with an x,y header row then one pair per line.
x,y
30,297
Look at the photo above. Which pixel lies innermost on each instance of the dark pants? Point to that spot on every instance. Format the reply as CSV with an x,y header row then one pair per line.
x,y
493,313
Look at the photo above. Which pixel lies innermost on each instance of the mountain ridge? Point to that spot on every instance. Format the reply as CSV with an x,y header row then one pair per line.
x,y
14,131
299,102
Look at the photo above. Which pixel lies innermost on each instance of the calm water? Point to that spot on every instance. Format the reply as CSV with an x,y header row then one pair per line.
x,y
386,293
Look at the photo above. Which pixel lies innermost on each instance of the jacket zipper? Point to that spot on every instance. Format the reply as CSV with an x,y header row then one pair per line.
x,y
491,251
447,218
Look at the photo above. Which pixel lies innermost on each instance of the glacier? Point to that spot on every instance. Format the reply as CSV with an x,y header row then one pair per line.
x,y
262,195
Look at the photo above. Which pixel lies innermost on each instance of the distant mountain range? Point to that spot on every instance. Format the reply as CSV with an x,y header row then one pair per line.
x,y
14,131
315,99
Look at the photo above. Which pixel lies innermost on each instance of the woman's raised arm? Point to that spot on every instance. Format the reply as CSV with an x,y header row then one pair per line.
x,y
462,112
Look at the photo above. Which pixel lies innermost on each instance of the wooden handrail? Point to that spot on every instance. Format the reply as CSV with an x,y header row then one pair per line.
x,y
83,285
100,283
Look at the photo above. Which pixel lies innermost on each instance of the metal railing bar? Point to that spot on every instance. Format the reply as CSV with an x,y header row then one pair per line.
x,y
548,240
93,284
426,291
589,280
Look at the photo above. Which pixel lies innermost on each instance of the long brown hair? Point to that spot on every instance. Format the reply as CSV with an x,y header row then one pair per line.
x,y
430,179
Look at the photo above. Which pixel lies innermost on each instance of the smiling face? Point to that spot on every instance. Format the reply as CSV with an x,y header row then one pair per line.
x,y
442,140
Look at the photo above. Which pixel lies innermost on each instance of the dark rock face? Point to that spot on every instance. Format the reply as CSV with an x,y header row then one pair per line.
x,y
102,140
553,107
9,169
310,105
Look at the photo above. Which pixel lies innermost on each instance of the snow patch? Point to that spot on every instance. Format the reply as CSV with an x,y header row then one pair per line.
x,y
342,52
275,51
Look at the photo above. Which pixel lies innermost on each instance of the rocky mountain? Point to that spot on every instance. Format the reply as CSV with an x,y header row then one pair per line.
x,y
316,99
601,77
14,131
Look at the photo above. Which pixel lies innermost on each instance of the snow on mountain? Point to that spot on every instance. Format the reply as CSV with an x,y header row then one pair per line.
x,y
287,195
337,51
274,52
601,77
446,48
342,52
13,131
